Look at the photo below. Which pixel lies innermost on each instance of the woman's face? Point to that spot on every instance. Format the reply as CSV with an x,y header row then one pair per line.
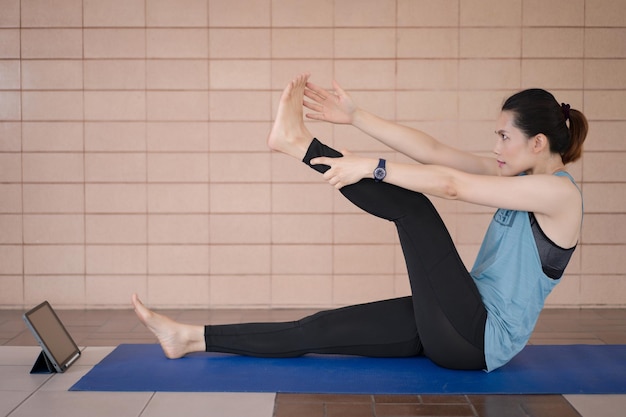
x,y
512,148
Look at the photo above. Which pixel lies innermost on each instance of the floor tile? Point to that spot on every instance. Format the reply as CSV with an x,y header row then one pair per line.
x,y
599,405
165,404
11,399
18,378
81,404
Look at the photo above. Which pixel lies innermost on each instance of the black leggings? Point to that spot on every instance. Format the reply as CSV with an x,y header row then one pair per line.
x,y
444,319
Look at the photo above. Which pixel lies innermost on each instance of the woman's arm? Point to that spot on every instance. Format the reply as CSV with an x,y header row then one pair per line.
x,y
338,107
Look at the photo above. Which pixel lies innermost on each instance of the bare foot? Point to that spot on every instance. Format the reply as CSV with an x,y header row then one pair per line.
x,y
176,339
289,135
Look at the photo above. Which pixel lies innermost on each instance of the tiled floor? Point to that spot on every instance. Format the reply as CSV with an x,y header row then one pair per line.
x,y
22,394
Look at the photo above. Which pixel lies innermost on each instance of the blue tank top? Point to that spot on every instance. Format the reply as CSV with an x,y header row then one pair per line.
x,y
511,280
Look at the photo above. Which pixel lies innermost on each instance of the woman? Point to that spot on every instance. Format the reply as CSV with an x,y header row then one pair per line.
x,y
459,319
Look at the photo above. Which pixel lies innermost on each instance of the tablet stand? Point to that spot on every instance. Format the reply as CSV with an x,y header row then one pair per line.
x,y
43,365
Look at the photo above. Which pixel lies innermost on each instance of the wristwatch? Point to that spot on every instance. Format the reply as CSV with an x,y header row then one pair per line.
x,y
380,172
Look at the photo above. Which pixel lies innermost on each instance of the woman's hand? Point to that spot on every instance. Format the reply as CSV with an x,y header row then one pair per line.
x,y
334,107
346,170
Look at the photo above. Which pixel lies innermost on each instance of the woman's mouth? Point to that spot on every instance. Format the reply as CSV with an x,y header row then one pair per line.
x,y
500,163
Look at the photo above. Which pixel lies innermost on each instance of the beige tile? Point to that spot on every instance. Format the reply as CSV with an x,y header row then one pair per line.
x,y
53,167
11,133
362,228
491,74
222,404
353,289
428,74
602,260
602,290
553,74
52,136
604,167
10,105
178,198
605,43
176,290
302,290
605,74
302,259
178,259
240,259
10,13
238,136
103,74
115,167
241,229
605,136
490,43
226,106
115,43
115,105
178,228
605,13
247,290
178,106
604,228
286,169
113,290
371,13
12,295
421,13
179,74
302,198
240,167
564,43
11,170
54,228
428,105
239,43
483,106
54,259
300,13
380,74
53,198
240,74
567,293
322,70
126,13
364,43
491,13
116,260
52,43
471,228
363,259
555,13
52,105
186,13
10,43
178,43
96,404
115,228
115,136
10,70
51,13
307,43
181,167
11,226
61,291
240,198
250,13
605,104
302,228
11,260
178,136
115,198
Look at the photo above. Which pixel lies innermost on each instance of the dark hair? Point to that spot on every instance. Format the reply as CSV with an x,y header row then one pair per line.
x,y
537,111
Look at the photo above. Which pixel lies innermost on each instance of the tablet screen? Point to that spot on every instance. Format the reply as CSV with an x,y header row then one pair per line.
x,y
51,334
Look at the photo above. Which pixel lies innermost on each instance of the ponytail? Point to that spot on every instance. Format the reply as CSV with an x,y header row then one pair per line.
x,y
537,111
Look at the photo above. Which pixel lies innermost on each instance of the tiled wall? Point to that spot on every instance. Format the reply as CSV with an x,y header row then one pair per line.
x,y
133,156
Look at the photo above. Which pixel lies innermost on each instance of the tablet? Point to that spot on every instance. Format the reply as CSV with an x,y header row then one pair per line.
x,y
59,349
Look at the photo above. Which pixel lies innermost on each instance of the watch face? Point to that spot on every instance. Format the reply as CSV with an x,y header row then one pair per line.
x,y
379,173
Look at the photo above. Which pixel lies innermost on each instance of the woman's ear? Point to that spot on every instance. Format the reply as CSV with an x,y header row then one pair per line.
x,y
540,142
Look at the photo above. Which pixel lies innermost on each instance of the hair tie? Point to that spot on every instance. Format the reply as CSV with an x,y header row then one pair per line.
x,y
565,109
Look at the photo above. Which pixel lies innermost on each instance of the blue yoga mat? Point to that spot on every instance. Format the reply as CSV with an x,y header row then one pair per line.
x,y
571,369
